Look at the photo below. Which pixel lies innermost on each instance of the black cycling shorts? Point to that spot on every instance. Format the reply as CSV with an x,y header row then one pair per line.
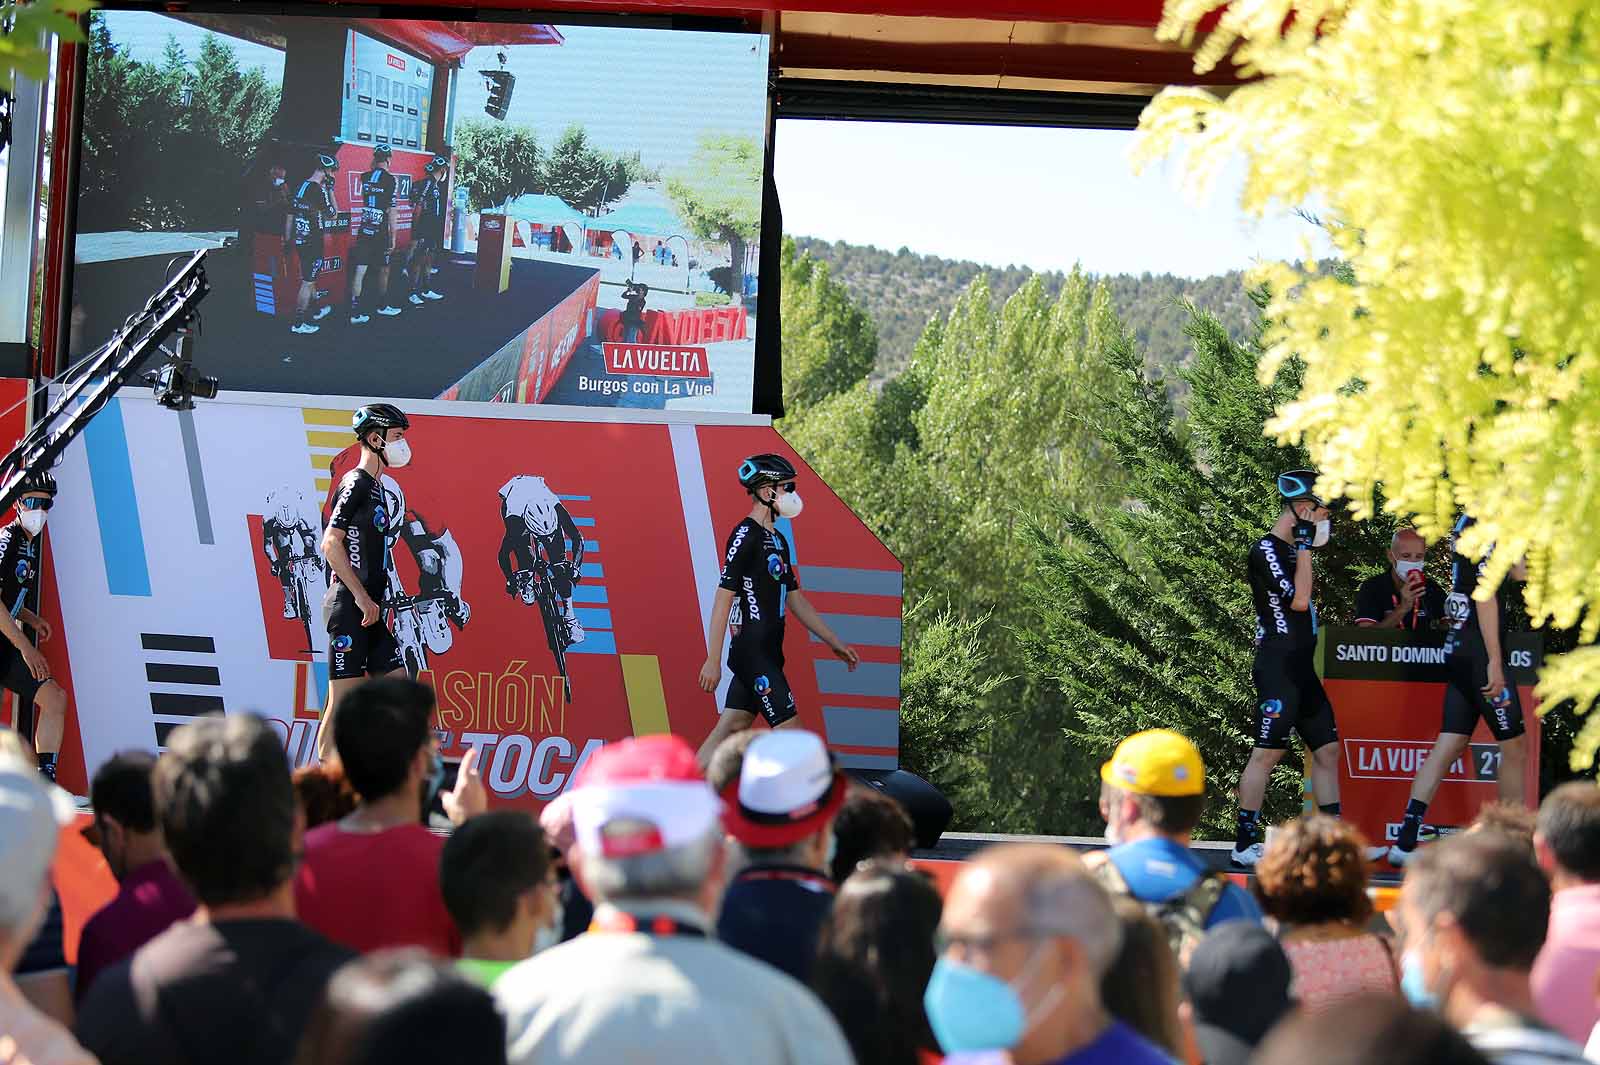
x,y
1467,671
1289,698
370,251
427,237
355,651
15,676
759,686
310,261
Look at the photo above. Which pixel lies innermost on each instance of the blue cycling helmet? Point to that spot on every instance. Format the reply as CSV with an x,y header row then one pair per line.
x,y
1297,484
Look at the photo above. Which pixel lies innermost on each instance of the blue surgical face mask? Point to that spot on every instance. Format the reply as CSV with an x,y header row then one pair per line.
x,y
1413,984
971,1010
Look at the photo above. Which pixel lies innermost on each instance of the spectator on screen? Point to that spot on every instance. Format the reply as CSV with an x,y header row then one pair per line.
x,y
1474,909
780,811
874,960
1567,840
497,883
403,1006
1141,987
870,825
1367,1030
32,814
150,897
1402,596
649,982
1313,881
371,879
1235,990
1152,795
238,981
1028,936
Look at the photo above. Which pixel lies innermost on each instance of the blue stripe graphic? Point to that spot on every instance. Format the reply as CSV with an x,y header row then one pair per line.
x,y
573,499
869,678
589,593
319,670
857,581
592,569
593,617
595,643
115,503
591,546
583,523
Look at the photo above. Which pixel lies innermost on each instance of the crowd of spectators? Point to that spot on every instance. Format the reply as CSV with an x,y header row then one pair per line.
x,y
765,912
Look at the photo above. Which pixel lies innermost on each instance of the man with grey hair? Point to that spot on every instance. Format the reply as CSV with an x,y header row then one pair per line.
x,y
648,983
32,813
1026,937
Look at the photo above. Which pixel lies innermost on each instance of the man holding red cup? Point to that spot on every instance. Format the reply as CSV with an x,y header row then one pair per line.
x,y
1403,596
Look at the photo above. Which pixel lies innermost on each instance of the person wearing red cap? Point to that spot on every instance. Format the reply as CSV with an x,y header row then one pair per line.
x,y
648,982
781,812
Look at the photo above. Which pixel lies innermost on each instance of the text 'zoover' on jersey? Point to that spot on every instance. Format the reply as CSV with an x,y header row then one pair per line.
x,y
1271,571
367,516
758,569
19,568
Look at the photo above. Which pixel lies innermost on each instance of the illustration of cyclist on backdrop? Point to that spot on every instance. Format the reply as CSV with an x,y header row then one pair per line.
x,y
1289,694
1476,686
544,543
757,588
290,543
40,702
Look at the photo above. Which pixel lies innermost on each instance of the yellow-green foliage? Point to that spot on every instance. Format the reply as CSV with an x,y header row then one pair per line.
x,y
1452,149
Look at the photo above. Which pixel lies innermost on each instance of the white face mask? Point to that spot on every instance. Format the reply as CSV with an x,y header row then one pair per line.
x,y
1405,569
397,453
550,934
32,520
789,505
1324,532
277,181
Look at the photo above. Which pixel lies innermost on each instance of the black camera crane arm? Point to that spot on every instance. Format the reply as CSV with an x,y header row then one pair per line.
x,y
94,383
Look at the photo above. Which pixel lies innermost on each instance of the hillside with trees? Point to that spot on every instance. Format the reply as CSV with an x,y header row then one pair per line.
x,y
902,290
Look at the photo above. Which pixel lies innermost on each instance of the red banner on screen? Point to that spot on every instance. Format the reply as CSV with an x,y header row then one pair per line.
x,y
657,360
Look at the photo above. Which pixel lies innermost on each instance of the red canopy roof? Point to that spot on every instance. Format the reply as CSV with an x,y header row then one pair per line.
x,y
450,41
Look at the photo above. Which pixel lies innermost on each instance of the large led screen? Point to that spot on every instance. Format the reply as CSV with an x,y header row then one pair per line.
x,y
495,211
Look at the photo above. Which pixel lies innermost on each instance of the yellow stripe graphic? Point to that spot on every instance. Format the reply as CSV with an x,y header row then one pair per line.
x,y
324,416
318,438
647,700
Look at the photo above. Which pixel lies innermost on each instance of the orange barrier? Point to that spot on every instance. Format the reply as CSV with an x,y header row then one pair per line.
x,y
82,880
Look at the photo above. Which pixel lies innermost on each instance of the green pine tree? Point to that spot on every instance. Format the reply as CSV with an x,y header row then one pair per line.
x,y
1141,614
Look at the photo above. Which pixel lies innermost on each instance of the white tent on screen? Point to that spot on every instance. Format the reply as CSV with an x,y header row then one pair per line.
x,y
642,218
551,212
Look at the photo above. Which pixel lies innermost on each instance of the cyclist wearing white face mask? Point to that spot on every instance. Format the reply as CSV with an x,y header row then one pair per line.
x,y
23,670
1402,597
356,545
1289,694
757,588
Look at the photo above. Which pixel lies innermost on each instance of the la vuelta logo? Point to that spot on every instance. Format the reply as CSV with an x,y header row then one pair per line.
x,y
1395,760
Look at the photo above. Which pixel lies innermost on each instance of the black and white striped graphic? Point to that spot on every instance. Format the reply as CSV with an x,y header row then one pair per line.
x,y
183,679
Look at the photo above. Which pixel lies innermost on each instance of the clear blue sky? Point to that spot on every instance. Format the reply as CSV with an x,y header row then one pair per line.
x,y
649,90
1042,198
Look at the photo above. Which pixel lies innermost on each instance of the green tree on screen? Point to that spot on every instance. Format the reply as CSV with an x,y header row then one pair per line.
x,y
496,162
583,175
719,195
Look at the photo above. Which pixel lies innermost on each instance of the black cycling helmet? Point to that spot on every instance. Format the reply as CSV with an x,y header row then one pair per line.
x,y
382,151
438,162
758,471
40,481
379,418
326,161
1296,484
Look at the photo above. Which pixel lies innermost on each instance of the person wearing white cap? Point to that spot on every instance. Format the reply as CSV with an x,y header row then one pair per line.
x,y
648,982
32,814
781,812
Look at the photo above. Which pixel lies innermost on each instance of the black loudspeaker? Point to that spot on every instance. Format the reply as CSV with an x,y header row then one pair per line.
x,y
930,811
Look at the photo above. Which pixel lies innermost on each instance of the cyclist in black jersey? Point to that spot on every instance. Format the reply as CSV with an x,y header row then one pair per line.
x,y
309,213
374,245
534,518
23,669
427,228
757,588
1475,686
287,536
1289,694
356,545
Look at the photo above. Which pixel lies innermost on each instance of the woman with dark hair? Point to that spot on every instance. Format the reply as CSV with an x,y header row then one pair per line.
x,y
1313,881
874,958
1141,987
403,1005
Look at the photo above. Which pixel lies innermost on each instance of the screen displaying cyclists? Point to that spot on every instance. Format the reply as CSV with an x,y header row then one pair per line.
x,y
427,229
756,591
541,556
375,236
311,212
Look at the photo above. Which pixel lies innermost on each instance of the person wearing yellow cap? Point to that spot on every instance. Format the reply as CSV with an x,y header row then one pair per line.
x,y
1152,793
